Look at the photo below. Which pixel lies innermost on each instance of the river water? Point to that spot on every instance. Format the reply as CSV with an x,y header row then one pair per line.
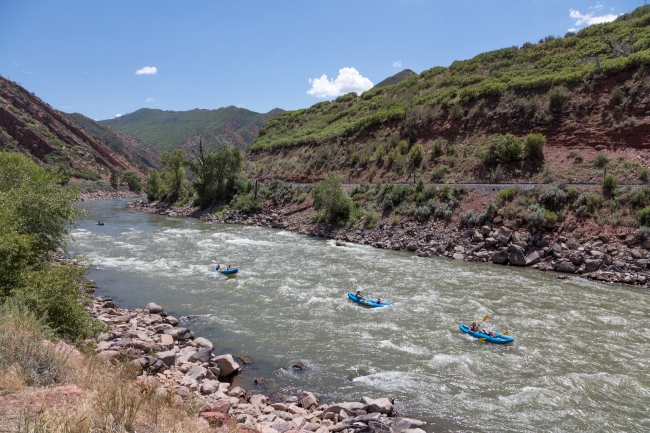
x,y
580,361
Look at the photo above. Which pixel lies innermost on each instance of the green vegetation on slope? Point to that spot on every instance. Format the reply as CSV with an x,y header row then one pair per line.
x,y
395,79
36,213
171,129
595,52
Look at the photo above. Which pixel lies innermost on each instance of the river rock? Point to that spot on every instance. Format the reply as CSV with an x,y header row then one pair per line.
x,y
339,243
178,333
171,320
307,400
166,341
227,365
222,406
477,237
646,244
500,257
517,258
153,308
203,355
458,256
381,405
197,373
209,386
504,235
566,267
532,259
203,342
286,426
168,357
412,246
108,354
636,254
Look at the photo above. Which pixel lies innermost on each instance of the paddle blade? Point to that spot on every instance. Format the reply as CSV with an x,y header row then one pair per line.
x,y
481,339
485,318
505,333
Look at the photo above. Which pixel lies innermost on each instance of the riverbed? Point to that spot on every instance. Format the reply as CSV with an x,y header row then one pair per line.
x,y
580,361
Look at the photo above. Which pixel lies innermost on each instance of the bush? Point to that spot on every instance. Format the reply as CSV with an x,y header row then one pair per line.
x,y
643,217
554,196
506,195
439,173
370,219
600,160
133,181
302,197
640,197
471,218
248,203
317,217
497,174
587,203
556,98
643,173
502,148
331,199
536,215
534,145
609,184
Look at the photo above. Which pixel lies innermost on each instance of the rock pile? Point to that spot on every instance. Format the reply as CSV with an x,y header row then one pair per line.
x,y
172,359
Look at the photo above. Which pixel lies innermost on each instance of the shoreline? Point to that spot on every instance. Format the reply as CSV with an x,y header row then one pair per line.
x,y
609,256
173,361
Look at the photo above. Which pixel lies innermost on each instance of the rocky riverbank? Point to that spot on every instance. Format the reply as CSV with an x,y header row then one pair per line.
x,y
618,255
174,362
108,195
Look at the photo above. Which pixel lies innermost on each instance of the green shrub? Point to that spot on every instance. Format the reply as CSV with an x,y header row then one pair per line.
x,y
439,173
643,174
554,196
556,98
370,219
503,148
640,197
616,97
506,195
497,174
643,217
609,184
534,146
536,216
600,160
317,217
587,203
302,197
133,181
248,203
331,199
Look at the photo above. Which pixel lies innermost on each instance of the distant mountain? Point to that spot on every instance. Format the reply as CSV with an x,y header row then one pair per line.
x,y
30,126
395,79
171,129
140,151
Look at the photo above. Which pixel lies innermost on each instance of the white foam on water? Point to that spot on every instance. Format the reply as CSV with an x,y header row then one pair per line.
x,y
80,232
405,347
285,233
389,380
181,232
244,241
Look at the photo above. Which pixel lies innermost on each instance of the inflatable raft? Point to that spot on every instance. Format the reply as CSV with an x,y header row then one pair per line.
x,y
367,302
227,271
497,339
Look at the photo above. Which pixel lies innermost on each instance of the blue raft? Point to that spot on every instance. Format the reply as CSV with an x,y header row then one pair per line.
x,y
227,271
366,302
99,223
498,339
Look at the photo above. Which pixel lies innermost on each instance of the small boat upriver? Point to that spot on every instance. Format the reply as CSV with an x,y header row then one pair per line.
x,y
494,337
367,302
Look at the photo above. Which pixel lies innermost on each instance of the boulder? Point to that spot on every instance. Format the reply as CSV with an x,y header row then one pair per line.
x,y
171,320
412,246
197,373
504,234
532,259
286,426
203,355
491,241
349,408
227,365
380,405
168,357
209,386
500,257
222,406
166,341
153,308
340,243
517,258
576,259
566,267
646,244
259,400
307,400
604,238
631,240
178,333
108,354
458,256
203,342
636,254
477,237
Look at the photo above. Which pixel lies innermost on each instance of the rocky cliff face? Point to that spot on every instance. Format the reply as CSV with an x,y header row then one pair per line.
x,y
31,126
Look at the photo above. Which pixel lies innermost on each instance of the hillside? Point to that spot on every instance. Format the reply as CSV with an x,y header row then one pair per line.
x,y
586,92
395,79
145,154
30,126
170,129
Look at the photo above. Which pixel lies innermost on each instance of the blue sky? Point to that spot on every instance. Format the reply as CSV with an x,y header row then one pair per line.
x,y
82,56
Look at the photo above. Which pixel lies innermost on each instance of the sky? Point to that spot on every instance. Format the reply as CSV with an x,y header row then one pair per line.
x,y
105,59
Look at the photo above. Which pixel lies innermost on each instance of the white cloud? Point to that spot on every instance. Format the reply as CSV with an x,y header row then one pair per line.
x,y
118,115
590,19
397,64
149,99
349,80
572,30
27,72
599,6
147,70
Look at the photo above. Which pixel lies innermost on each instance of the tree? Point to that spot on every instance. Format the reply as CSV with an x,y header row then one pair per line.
x,y
174,172
609,184
415,157
114,179
331,199
217,172
153,186
502,148
132,179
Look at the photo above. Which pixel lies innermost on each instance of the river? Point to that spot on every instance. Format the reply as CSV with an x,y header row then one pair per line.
x,y
580,361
